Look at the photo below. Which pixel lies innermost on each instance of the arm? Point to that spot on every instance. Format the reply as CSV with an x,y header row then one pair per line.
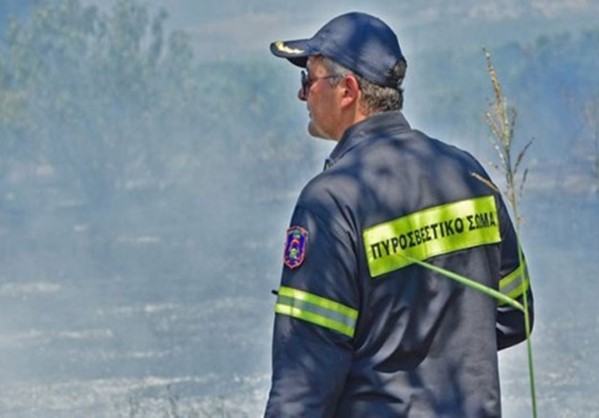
x,y
514,282
510,321
316,312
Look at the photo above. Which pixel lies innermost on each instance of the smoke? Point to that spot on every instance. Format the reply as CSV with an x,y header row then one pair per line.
x,y
149,166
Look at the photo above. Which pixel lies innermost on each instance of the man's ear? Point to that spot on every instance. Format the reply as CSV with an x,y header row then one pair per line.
x,y
351,90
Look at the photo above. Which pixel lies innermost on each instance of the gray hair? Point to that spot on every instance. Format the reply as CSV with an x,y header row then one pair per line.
x,y
375,98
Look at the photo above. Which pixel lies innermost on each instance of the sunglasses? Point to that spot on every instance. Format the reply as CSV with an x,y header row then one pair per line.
x,y
308,81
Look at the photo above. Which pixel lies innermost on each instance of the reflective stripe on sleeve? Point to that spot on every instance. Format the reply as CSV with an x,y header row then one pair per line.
x,y
316,310
516,283
431,232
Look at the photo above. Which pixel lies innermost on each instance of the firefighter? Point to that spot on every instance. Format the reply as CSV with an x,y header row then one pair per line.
x,y
361,329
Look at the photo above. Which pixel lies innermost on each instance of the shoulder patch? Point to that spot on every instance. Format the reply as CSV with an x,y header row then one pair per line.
x,y
295,246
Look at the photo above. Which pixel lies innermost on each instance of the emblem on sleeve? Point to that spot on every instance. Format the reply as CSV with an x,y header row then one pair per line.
x,y
295,246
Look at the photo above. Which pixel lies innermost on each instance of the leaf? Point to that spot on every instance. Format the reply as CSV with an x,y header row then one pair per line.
x,y
521,155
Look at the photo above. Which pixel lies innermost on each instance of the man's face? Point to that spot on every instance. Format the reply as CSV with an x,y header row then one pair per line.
x,y
323,101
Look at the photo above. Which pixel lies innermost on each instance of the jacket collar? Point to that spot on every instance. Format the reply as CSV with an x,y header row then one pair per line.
x,y
376,125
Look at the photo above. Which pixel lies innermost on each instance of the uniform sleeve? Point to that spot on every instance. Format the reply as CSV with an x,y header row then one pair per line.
x,y
515,283
316,313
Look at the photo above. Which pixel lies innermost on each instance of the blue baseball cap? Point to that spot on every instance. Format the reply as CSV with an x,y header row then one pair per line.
x,y
360,42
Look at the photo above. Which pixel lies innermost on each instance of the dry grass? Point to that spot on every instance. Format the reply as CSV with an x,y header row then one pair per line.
x,y
501,118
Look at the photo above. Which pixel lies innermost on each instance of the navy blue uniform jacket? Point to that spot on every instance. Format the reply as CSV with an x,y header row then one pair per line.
x,y
361,329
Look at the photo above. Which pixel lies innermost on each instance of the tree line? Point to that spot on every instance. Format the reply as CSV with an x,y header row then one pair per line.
x,y
98,104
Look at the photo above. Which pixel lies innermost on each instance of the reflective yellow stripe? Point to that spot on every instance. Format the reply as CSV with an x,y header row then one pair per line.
x,y
317,310
431,232
516,283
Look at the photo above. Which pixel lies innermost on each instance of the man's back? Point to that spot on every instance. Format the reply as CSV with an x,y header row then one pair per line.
x,y
423,344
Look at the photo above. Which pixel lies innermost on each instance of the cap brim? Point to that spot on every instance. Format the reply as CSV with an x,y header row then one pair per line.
x,y
297,52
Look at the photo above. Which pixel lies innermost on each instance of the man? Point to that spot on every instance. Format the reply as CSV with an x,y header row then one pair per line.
x,y
362,329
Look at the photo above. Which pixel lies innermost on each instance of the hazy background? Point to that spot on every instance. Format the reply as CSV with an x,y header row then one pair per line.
x,y
150,155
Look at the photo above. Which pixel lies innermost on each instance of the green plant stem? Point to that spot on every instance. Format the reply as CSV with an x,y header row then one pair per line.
x,y
502,298
531,368
470,283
